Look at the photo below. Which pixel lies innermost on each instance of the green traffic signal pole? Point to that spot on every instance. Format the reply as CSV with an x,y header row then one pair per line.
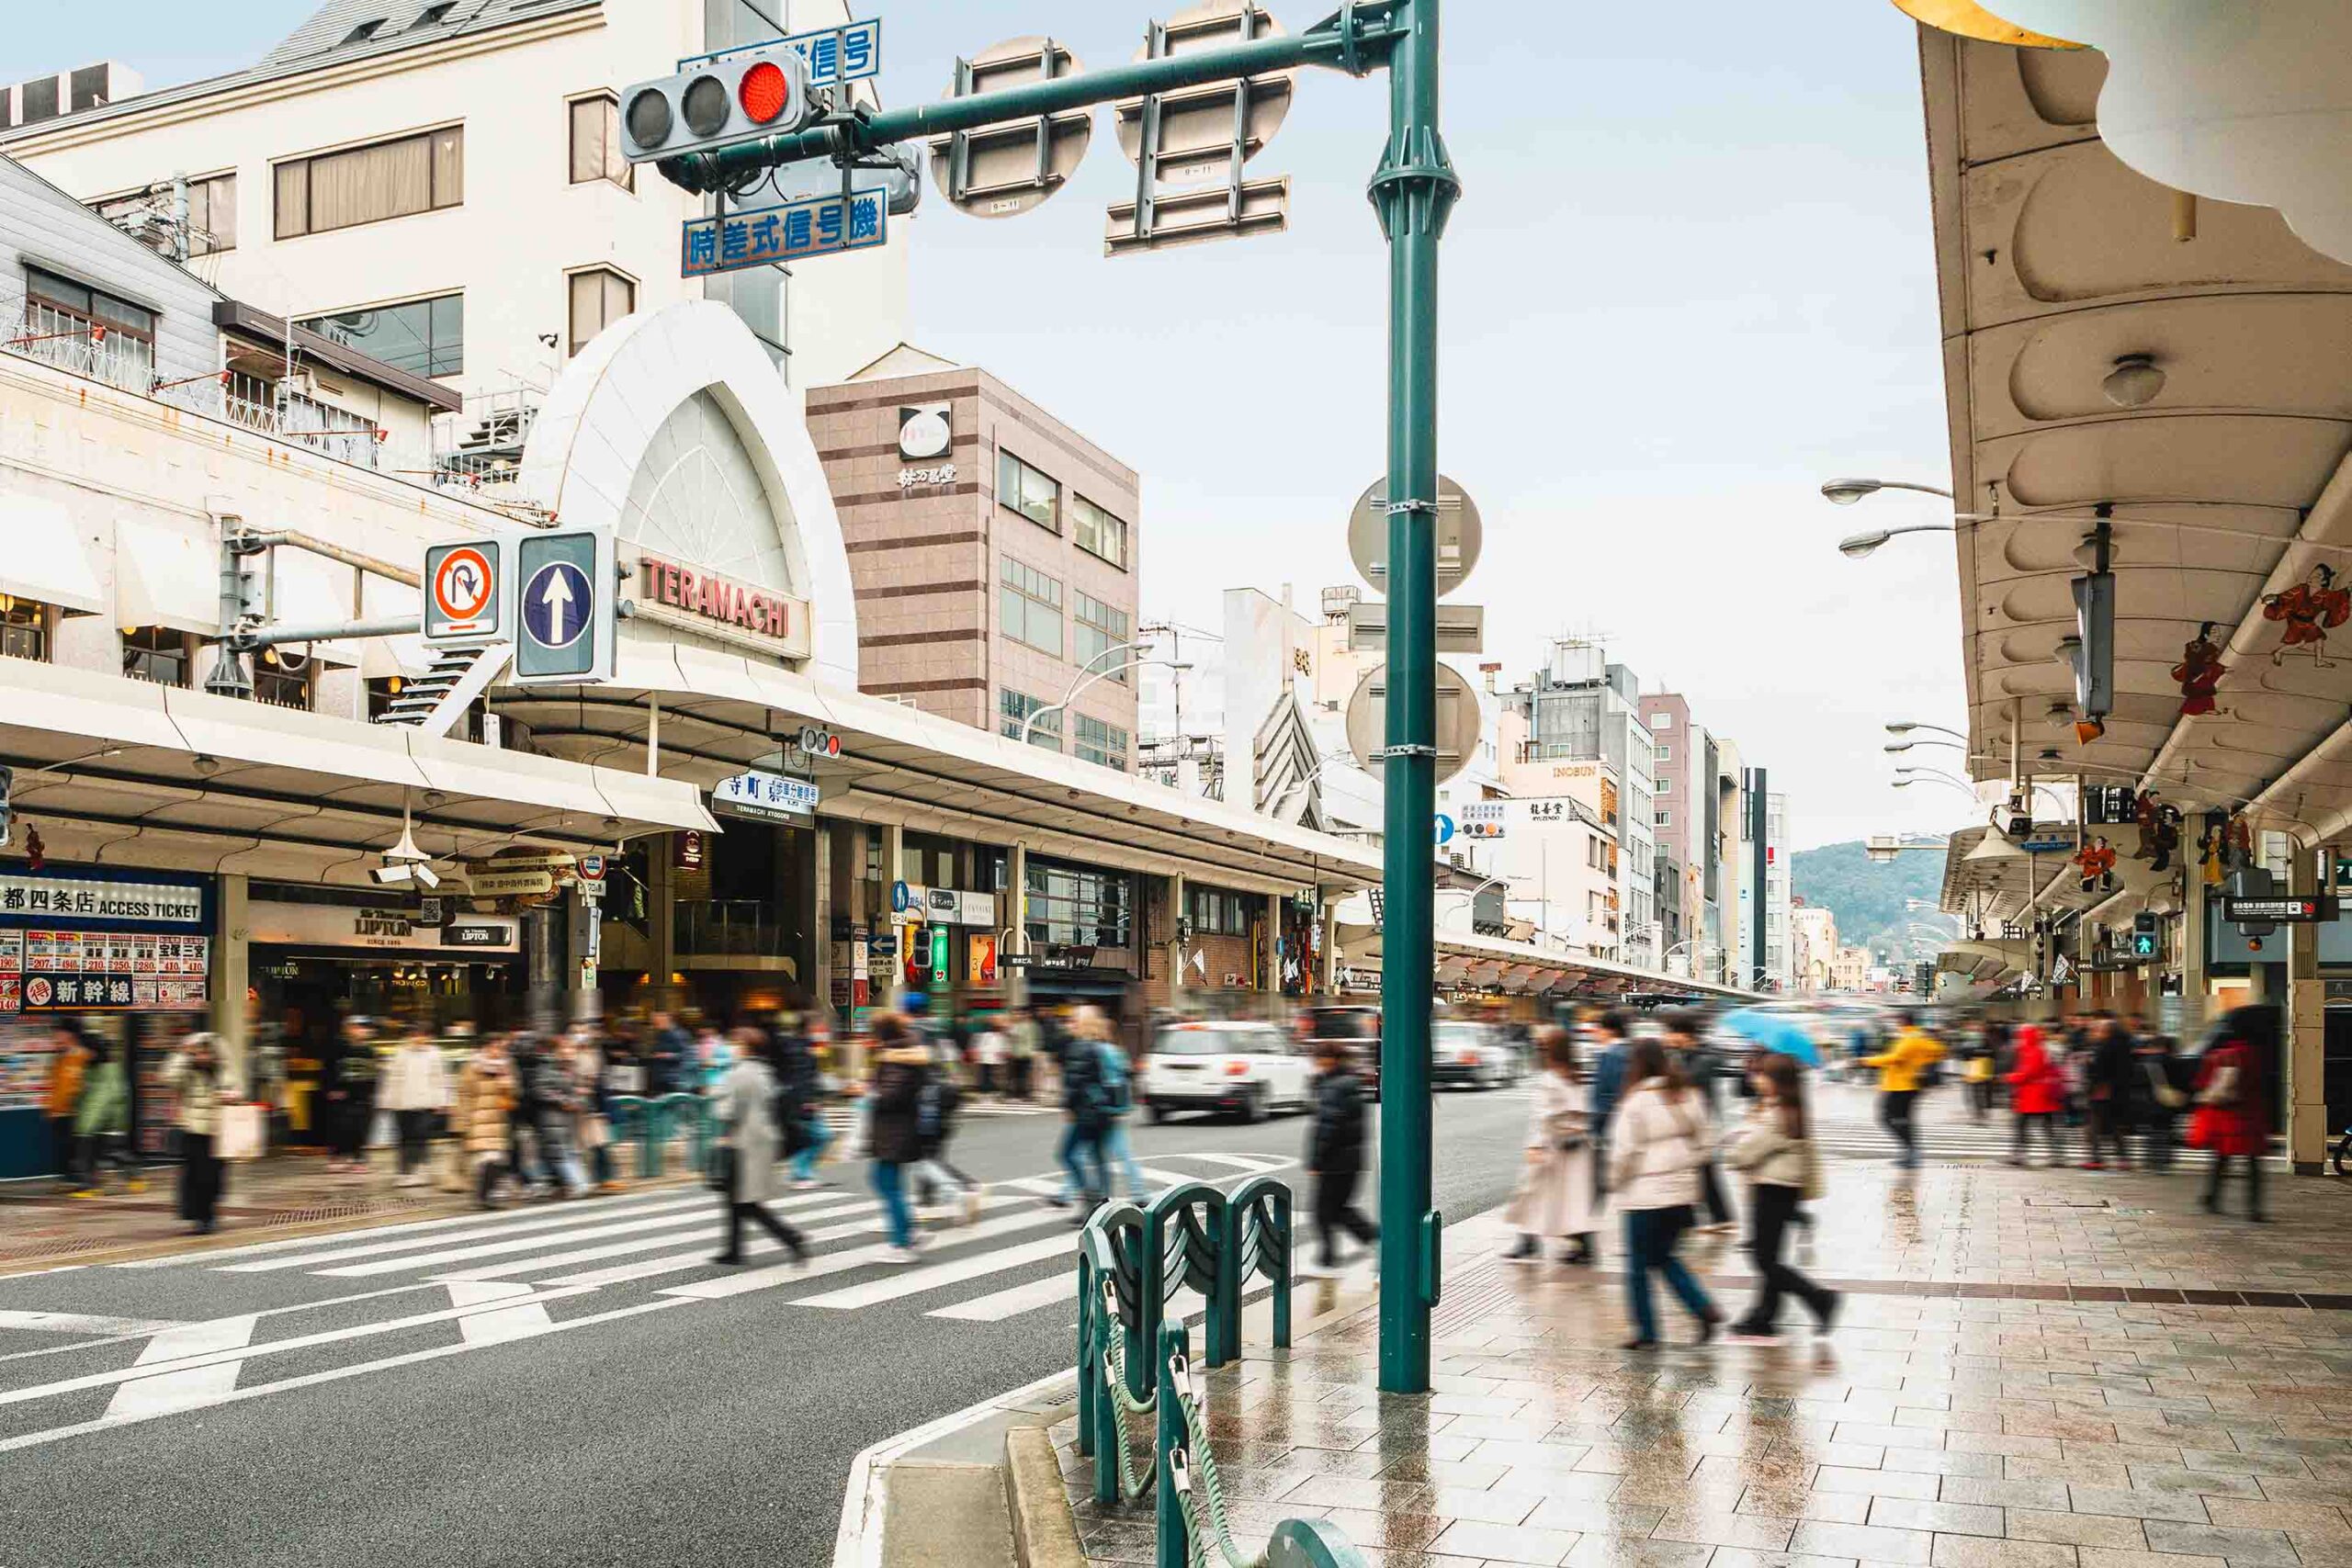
x,y
1414,191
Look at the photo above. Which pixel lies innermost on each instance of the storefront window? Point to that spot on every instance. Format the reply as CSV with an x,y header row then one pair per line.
x,y
155,653
24,628
285,683
1214,912
1072,905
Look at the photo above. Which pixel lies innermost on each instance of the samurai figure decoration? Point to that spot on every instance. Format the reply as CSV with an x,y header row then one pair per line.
x,y
2309,610
2097,861
2159,822
2199,672
2212,847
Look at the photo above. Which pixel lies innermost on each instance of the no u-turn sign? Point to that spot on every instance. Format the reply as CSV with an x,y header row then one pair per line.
x,y
465,592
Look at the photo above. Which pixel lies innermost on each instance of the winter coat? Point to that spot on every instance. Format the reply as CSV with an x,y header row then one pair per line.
x,y
486,1095
745,1100
65,1074
2235,1121
1656,1149
2037,1087
1556,1193
1082,1088
1769,1156
200,1094
1902,1066
898,1077
416,1078
1609,1083
106,1102
1335,1141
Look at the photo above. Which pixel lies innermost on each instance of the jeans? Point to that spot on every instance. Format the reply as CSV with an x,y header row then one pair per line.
x,y
1711,1190
1081,1149
821,1138
1650,1236
2252,1183
890,1186
2106,1129
199,1180
1336,1210
64,1149
1767,1237
1113,1152
413,1126
2048,1122
1894,1108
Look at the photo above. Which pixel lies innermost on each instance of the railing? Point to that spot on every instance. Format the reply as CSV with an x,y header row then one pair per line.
x,y
1133,1364
653,1124
737,928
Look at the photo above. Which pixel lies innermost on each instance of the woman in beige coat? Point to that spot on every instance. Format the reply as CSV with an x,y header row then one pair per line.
x,y
1555,1194
486,1096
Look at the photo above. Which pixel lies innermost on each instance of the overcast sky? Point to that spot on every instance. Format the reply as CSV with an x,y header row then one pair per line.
x,y
1690,278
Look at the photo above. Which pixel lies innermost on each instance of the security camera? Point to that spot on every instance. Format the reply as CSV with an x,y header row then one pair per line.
x,y
426,877
394,875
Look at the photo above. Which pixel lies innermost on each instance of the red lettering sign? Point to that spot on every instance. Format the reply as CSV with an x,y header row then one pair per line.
x,y
715,598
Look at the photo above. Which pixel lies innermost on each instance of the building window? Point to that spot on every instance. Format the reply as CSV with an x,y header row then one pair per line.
x,y
122,335
155,653
283,682
24,628
1097,532
1013,709
1096,629
1102,743
1028,490
1073,906
1664,817
596,143
1665,752
1665,787
599,298
367,185
149,216
1216,913
1029,606
424,338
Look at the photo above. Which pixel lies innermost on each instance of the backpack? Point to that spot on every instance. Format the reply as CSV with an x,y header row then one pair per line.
x,y
1114,1093
935,1107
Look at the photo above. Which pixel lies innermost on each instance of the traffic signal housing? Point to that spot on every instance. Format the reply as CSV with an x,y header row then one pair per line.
x,y
716,103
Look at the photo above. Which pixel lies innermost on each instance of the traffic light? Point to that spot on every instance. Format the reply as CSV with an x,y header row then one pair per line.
x,y
918,957
2147,934
716,103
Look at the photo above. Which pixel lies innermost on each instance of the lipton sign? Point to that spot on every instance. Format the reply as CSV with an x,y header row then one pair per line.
x,y
705,601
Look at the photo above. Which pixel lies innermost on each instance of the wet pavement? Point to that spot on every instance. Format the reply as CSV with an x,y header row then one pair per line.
x,y
2034,1369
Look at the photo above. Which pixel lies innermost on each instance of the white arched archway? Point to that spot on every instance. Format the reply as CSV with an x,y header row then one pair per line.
x,y
673,429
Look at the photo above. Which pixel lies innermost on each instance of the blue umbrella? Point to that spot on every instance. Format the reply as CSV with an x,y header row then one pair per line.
x,y
1772,1031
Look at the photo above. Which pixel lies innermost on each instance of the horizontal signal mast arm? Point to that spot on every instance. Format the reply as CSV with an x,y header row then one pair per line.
x,y
1358,39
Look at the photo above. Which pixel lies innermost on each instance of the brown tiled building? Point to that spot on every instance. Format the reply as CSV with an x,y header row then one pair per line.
x,y
994,551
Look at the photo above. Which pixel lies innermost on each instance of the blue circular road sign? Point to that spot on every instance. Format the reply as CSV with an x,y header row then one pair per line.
x,y
1445,828
556,604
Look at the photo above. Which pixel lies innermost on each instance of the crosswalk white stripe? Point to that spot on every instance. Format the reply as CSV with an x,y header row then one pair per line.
x,y
699,1214
710,1232
727,1285
212,1255
1056,1289
329,1251
677,1262
915,1281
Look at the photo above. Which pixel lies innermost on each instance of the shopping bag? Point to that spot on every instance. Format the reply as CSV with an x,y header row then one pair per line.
x,y
239,1135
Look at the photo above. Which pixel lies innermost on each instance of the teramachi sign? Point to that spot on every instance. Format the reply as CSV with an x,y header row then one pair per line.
x,y
703,600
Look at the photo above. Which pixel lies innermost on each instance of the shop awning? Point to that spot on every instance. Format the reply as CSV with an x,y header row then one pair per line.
x,y
121,772
1523,967
720,714
168,574
47,558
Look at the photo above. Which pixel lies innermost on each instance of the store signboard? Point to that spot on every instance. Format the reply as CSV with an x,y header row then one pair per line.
x,y
982,951
54,971
765,797
947,906
395,931
511,883
28,897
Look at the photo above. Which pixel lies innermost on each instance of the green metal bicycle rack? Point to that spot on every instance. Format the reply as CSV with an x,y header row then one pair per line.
x,y
1187,1242
1257,1245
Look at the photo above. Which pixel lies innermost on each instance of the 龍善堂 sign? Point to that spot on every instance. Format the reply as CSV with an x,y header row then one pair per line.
x,y
791,231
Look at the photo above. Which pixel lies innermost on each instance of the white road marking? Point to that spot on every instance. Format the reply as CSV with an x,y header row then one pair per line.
x,y
727,1285
708,1234
271,1312
509,1246
519,1322
534,1226
332,1374
193,1387
412,1227
82,1323
914,1282
1055,1289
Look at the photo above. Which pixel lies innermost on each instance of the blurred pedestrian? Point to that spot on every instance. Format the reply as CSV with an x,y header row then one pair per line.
x,y
712,1057
2164,1081
194,1074
350,1074
902,1067
667,1055
415,1090
2232,1116
102,1123
1081,1153
988,1054
2037,1094
935,1114
745,1108
1555,1195
1774,1148
69,1064
1658,1142
1983,1065
486,1097
801,1102
1114,1075
2110,1088
1611,1051
1335,1152
1902,1067
1021,1045
1700,1066
555,1109
592,1120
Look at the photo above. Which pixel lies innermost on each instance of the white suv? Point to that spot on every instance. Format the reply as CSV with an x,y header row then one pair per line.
x,y
1243,1069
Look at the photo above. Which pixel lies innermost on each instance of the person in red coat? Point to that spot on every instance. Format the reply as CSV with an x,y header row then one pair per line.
x,y
2037,1094
2233,1117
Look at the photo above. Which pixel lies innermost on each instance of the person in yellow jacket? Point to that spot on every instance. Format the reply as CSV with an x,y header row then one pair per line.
x,y
1902,1068
69,1061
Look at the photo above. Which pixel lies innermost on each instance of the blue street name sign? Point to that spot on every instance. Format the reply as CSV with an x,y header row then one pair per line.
x,y
851,53
791,231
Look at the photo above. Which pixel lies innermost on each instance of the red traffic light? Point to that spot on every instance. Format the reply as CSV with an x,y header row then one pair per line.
x,y
766,92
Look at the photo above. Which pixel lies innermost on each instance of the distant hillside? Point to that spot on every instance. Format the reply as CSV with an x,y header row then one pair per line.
x,y
1869,901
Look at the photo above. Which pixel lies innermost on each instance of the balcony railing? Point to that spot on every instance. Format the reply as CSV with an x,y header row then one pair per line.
x,y
730,927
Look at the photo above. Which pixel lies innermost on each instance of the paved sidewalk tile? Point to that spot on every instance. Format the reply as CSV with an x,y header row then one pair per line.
x,y
2032,1370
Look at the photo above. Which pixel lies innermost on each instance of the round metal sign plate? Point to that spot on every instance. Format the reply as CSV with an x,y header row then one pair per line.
x,y
1457,720
1460,535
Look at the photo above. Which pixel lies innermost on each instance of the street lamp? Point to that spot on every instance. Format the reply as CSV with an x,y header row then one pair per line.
x,y
1893,748
1845,492
1029,725
1905,726
1854,546
1935,778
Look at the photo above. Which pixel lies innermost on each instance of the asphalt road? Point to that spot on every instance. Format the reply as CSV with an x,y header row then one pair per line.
x,y
562,1384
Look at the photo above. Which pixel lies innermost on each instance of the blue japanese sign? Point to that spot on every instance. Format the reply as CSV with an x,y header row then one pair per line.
x,y
850,53
761,235
767,796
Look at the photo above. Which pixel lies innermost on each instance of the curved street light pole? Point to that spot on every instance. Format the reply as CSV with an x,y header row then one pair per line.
x,y
1029,723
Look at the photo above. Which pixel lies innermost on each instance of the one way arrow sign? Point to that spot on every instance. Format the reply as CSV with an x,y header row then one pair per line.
x,y
570,580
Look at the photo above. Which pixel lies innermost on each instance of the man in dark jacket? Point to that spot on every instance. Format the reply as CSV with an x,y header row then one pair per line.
x,y
1334,1151
2111,1085
666,1058
902,1066
1084,1116
1611,1051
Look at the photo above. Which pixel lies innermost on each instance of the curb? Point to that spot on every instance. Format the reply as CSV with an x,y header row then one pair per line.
x,y
858,1542
1045,1531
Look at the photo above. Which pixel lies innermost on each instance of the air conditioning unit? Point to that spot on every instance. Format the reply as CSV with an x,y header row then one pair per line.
x,y
38,98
